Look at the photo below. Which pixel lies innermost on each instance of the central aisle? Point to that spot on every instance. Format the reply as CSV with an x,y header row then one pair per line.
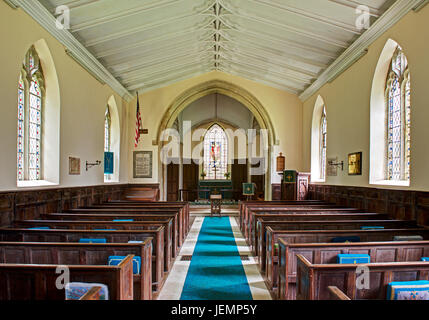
x,y
216,271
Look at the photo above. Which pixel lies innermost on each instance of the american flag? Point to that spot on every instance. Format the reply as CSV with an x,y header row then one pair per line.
x,y
138,123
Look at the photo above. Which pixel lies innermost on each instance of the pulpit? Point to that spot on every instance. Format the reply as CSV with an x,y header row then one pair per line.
x,y
215,204
294,185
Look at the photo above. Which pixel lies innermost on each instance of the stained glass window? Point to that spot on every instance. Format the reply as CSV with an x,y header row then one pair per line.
x,y
398,92
30,109
323,143
21,125
107,136
215,153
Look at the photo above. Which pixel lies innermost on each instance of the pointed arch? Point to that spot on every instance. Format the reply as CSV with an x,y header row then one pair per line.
x,y
390,143
319,133
112,137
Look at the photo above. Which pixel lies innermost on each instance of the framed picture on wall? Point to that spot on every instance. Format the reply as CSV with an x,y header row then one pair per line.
x,y
74,166
355,164
142,164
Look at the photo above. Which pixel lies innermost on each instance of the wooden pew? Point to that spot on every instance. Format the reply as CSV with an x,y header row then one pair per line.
x,y
313,280
295,210
320,225
325,236
140,211
326,253
245,204
38,282
307,217
119,236
110,217
92,225
182,205
83,254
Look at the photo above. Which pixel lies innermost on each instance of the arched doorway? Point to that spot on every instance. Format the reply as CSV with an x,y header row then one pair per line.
x,y
228,89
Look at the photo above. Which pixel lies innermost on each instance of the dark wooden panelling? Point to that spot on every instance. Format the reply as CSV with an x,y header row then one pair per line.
x,y
399,204
276,190
30,204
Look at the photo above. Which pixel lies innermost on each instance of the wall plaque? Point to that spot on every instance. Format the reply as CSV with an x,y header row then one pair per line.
x,y
142,164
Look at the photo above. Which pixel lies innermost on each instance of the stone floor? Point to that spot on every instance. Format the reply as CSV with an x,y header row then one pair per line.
x,y
172,288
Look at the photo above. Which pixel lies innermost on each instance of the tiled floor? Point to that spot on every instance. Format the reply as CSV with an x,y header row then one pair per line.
x,y
173,286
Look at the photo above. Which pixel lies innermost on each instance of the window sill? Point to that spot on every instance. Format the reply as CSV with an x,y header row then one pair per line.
x,y
39,183
391,183
318,181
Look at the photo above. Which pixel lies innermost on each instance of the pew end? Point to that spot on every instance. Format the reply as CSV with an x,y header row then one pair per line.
x,y
337,294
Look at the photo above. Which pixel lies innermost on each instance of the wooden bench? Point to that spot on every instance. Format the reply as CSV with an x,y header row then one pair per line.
x,y
181,205
245,204
307,217
326,253
325,236
313,280
111,217
38,282
119,236
179,217
93,225
337,294
320,225
296,210
83,254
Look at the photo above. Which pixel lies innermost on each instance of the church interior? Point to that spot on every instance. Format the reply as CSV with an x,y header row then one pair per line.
x,y
214,150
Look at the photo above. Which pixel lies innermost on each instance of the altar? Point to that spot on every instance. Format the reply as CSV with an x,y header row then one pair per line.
x,y
207,187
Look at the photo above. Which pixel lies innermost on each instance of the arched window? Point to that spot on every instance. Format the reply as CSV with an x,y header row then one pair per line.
x,y
323,144
107,136
30,118
215,153
398,118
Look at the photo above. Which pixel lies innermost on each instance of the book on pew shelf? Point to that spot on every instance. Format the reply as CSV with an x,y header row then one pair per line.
x,y
123,220
39,228
115,260
87,240
426,259
372,228
76,290
408,290
407,238
134,241
345,239
353,258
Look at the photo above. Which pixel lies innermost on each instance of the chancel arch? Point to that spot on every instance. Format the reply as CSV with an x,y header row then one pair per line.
x,y
249,102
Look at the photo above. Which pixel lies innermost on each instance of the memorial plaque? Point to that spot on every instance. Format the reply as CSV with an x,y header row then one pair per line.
x,y
142,164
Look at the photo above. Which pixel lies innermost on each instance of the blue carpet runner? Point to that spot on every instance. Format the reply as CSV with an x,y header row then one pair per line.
x,y
216,271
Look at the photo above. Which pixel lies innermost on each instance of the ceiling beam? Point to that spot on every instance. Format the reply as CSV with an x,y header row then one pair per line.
x,y
398,10
300,32
122,15
354,4
139,29
42,16
310,16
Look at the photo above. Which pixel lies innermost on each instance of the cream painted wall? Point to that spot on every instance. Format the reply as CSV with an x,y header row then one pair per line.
x,y
284,109
348,105
82,101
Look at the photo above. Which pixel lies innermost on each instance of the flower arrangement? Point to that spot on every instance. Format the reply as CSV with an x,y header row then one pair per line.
x,y
227,175
203,175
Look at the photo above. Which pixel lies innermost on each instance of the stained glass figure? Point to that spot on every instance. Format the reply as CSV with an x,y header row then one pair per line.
x,y
215,153
107,136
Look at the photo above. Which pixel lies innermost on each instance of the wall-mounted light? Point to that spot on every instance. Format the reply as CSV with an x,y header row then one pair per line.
x,y
90,165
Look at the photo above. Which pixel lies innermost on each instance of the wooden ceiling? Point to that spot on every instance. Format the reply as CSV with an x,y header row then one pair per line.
x,y
147,44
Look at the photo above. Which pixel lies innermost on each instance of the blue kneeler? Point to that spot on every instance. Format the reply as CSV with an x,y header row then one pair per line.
x,y
87,240
137,262
353,258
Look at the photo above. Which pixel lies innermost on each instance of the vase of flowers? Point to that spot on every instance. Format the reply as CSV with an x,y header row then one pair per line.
x,y
203,175
227,175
